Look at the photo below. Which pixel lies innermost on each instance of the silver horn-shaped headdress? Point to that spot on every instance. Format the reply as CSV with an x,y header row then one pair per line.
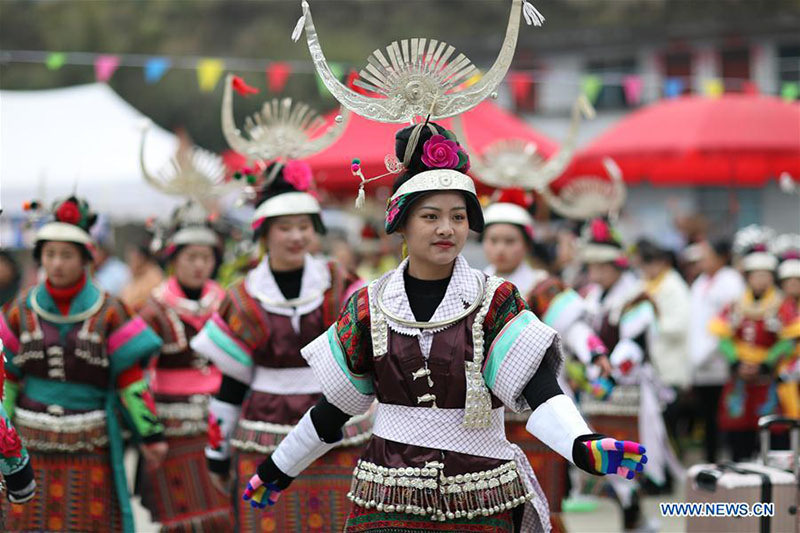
x,y
192,172
515,163
417,77
587,197
282,129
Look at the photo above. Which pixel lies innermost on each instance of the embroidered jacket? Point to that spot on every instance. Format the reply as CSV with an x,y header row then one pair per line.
x,y
438,445
749,330
255,338
60,376
181,378
626,321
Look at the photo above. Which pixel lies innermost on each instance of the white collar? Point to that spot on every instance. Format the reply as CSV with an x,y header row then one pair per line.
x,y
462,291
524,277
261,285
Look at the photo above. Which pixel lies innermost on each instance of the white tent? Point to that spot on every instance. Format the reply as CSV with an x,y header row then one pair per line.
x,y
84,138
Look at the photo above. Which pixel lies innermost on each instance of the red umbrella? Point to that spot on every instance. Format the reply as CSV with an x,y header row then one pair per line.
x,y
372,141
735,140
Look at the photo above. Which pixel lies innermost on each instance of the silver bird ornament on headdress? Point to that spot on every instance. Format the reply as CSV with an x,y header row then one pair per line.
x,y
515,163
192,172
417,77
283,129
587,197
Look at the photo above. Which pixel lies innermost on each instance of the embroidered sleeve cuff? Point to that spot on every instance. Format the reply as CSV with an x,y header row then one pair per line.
x,y
352,393
130,344
140,409
222,420
516,354
217,342
565,309
637,320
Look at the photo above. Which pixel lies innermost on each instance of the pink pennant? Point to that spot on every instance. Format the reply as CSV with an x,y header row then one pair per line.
x,y
633,86
104,67
277,75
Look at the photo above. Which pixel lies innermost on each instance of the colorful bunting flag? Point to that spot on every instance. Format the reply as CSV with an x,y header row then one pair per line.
x,y
673,87
713,88
55,60
155,68
278,74
208,73
591,86
241,87
521,86
633,85
104,67
790,91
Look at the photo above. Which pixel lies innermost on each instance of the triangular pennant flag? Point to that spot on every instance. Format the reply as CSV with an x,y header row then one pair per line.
x,y
104,67
208,73
278,74
633,85
713,88
790,91
55,60
241,87
337,69
155,68
673,87
592,85
521,86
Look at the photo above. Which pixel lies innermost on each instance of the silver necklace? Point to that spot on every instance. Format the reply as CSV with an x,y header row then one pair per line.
x,y
68,319
433,325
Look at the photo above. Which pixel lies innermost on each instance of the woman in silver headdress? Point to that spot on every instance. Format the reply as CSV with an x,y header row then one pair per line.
x,y
443,348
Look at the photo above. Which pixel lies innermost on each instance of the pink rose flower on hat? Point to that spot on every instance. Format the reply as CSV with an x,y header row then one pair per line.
x,y
297,174
440,152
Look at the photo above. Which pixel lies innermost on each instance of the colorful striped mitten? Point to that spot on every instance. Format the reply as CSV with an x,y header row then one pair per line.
x,y
611,456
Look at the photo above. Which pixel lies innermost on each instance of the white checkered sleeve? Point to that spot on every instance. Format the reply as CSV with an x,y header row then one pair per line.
x,y
536,344
350,392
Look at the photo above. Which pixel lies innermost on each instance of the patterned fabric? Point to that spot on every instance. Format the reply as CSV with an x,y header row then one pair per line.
x,y
76,494
75,370
541,297
550,468
789,314
13,455
180,495
316,502
523,346
352,328
140,408
373,521
349,391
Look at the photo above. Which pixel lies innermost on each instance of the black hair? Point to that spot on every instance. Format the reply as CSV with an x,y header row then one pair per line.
x,y
37,251
723,248
416,166
277,186
650,252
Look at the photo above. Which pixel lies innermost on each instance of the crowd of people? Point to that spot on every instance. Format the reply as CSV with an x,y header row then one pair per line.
x,y
671,350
